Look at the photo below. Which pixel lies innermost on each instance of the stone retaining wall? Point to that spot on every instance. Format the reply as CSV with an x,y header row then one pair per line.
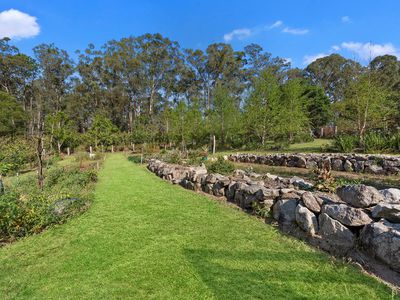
x,y
356,218
374,164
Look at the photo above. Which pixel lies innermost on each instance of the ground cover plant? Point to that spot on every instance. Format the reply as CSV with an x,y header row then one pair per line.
x,y
26,209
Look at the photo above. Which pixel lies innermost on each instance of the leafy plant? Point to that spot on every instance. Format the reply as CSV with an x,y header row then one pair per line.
x,y
345,143
375,142
260,210
221,166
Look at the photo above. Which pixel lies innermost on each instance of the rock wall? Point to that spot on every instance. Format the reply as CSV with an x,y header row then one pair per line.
x,y
374,164
355,218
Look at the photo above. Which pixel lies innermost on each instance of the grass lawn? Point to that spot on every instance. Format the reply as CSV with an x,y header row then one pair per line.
x,y
147,239
315,146
378,181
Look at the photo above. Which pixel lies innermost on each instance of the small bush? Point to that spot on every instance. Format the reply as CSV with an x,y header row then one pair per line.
x,y
375,142
25,210
221,166
394,142
15,154
345,143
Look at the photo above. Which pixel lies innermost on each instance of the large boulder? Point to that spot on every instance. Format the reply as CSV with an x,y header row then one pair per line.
x,y
348,166
284,210
195,173
389,211
312,202
382,240
306,219
301,183
359,195
336,237
346,215
391,195
63,206
337,164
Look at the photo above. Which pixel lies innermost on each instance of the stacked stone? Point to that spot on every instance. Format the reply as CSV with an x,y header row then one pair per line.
x,y
374,164
356,217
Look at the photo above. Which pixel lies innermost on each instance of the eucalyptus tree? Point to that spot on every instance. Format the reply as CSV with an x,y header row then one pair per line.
x,y
55,71
333,73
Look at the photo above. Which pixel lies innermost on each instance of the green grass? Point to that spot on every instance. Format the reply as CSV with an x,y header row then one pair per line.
x,y
147,239
315,146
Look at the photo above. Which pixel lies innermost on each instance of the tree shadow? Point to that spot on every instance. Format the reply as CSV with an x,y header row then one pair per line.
x,y
290,274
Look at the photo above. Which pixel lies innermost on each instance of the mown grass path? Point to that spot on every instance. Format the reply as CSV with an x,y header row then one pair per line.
x,y
147,239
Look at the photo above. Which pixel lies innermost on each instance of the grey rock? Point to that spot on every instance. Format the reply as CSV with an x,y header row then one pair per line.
x,y
337,238
359,195
391,195
312,202
301,183
1,187
337,164
289,194
212,178
284,211
346,215
359,166
348,166
374,169
268,203
311,164
306,219
218,189
389,211
62,206
382,240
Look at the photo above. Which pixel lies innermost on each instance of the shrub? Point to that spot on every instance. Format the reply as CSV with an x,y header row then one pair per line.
x,y
15,154
69,178
345,143
394,142
24,209
221,166
375,142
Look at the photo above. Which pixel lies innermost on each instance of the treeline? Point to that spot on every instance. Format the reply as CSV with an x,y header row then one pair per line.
x,y
148,89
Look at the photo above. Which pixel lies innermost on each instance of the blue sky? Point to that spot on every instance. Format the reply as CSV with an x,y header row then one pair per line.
x,y
296,30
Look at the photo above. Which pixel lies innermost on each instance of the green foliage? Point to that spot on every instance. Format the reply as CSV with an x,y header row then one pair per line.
x,y
394,142
102,131
221,166
25,210
260,210
15,154
345,143
137,159
12,116
375,142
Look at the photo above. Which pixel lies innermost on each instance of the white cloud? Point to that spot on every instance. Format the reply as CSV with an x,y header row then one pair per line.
x,y
16,24
308,59
368,51
277,24
335,48
346,19
295,31
239,34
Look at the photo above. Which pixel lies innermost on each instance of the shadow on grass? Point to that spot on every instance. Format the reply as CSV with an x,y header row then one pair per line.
x,y
274,274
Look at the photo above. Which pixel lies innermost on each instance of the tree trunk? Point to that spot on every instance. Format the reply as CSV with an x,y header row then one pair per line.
x,y
214,145
59,147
